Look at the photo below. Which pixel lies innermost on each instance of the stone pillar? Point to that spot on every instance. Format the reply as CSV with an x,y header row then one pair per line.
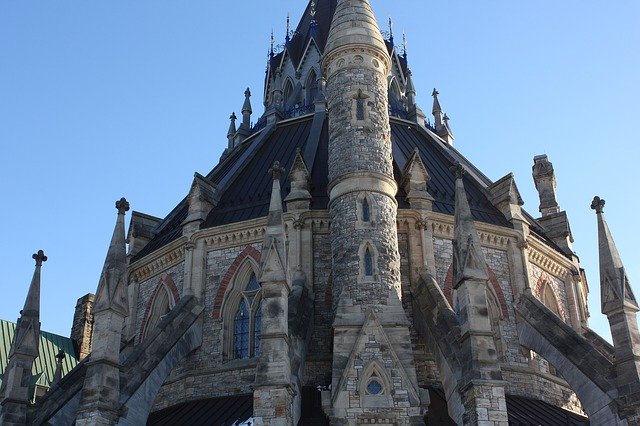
x,y
481,387
363,234
545,181
99,402
14,393
273,391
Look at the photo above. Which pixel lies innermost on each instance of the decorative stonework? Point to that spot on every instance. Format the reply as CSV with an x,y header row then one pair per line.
x,y
160,264
165,282
248,251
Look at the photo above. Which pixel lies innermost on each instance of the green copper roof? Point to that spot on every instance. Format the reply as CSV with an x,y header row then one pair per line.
x,y
44,367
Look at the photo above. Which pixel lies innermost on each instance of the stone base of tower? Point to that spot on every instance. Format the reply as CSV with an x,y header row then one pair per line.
x,y
272,406
484,403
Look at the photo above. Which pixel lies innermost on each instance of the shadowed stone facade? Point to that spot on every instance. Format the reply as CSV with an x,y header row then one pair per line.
x,y
343,265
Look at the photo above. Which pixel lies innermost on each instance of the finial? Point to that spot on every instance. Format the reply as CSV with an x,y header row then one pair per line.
x,y
39,257
312,11
435,93
276,171
597,204
404,46
122,205
247,93
272,42
390,30
233,117
287,38
60,356
457,170
446,119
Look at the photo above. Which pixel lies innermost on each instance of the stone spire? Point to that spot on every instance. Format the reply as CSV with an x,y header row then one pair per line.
x,y
101,390
246,110
436,110
299,198
410,90
620,306
616,292
469,262
481,374
231,133
15,393
273,391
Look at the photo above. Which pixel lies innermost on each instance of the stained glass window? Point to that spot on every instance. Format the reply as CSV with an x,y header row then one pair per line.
x,y
374,387
248,321
241,335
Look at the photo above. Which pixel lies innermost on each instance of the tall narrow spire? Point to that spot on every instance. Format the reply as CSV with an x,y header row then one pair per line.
x,y
111,292
287,37
391,31
14,393
616,292
620,306
246,110
469,260
101,390
436,110
232,130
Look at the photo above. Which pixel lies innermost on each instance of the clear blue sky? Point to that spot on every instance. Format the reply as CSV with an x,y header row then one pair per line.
x,y
100,100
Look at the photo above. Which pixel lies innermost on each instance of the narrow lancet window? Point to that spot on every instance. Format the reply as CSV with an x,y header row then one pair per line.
x,y
368,263
360,109
241,335
366,211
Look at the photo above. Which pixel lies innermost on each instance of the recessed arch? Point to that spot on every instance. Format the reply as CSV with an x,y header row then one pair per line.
x,y
368,260
163,300
547,293
242,312
311,87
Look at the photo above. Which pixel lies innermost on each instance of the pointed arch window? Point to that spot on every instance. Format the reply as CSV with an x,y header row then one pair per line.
x,y
288,90
248,321
368,262
160,306
312,87
549,299
366,210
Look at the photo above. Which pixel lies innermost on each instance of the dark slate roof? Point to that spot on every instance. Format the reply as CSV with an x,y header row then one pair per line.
x,y
245,184
229,410
44,367
225,411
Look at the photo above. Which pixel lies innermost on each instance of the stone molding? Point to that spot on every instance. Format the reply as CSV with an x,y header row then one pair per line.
x,y
165,258
362,182
542,256
331,63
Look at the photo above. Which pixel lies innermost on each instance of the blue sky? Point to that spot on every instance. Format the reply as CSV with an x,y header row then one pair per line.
x,y
100,100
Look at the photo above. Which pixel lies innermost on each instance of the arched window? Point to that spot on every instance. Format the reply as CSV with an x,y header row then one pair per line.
x,y
366,211
368,263
248,321
160,305
286,93
312,87
549,299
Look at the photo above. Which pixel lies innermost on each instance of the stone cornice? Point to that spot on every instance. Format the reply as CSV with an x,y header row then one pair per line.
x,y
159,261
547,258
441,226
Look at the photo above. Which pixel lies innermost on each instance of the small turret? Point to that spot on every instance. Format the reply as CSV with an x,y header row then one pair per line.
x,y
15,393
436,110
410,90
232,131
246,110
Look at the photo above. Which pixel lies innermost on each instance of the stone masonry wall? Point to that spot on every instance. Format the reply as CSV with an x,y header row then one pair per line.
x,y
204,373
147,289
319,355
527,373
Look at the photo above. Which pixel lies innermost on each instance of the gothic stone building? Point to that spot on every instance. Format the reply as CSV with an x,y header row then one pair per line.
x,y
343,264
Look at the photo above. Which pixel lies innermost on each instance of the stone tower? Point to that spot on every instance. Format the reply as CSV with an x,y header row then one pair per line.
x,y
373,373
